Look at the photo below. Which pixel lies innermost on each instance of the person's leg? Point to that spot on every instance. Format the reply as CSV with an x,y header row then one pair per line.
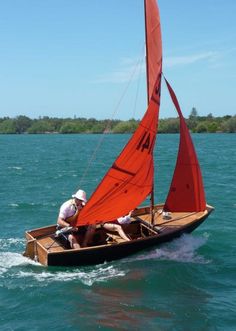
x,y
116,228
73,241
89,235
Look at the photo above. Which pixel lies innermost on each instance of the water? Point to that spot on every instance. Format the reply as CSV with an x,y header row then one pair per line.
x,y
188,284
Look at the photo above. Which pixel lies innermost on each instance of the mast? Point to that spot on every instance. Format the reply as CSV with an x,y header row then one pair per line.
x,y
148,93
146,46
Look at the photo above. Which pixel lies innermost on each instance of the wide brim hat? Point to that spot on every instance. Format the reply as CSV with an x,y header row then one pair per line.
x,y
80,195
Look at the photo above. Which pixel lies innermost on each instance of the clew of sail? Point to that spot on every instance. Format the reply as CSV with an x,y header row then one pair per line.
x,y
186,192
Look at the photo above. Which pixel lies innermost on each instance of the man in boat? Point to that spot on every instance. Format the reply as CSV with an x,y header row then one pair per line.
x,y
68,213
111,226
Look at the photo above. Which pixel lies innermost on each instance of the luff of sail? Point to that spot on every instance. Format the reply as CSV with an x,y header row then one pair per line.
x,y
130,179
186,192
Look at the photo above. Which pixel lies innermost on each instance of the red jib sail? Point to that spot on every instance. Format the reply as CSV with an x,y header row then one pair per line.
x,y
130,178
153,44
186,191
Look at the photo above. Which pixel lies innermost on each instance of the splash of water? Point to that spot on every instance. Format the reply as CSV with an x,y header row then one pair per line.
x,y
15,168
10,243
98,274
10,260
14,265
183,249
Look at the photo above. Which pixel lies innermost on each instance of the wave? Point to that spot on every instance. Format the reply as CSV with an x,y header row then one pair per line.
x,y
15,167
32,204
183,249
34,274
9,260
13,265
96,275
14,205
9,243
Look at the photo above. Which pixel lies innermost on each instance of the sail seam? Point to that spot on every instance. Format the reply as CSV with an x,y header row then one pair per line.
x,y
123,181
115,167
147,128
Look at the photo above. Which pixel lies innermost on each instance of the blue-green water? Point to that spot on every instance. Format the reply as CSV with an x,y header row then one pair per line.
x,y
188,284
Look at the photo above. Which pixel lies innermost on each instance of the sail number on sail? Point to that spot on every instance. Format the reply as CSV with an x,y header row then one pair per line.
x,y
146,142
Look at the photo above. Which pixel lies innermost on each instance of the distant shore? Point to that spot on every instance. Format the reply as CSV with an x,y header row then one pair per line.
x,y
44,125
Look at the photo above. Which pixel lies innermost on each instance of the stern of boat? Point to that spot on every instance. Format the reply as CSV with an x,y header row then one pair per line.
x,y
35,249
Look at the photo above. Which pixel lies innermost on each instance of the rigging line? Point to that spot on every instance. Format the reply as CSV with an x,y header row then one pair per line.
x,y
93,156
141,62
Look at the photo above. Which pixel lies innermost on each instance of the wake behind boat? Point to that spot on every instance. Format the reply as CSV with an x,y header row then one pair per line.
x,y
130,180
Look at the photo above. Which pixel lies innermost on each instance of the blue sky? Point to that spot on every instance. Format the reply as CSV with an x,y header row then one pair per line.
x,y
66,58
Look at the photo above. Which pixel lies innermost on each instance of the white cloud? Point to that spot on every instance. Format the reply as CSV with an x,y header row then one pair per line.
x,y
129,69
189,59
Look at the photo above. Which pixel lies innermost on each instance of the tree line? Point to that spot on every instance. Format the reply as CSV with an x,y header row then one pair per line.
x,y
197,124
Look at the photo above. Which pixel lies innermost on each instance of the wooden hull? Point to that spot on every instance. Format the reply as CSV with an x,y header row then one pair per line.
x,y
42,246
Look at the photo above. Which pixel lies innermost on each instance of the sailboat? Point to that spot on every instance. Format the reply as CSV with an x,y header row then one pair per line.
x,y
130,180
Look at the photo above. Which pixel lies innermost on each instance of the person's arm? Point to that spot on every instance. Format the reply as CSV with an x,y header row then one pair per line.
x,y
62,222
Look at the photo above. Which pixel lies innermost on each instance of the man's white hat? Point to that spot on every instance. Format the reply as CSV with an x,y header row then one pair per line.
x,y
80,195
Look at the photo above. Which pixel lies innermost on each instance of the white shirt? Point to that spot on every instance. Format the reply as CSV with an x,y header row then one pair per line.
x,y
67,209
124,219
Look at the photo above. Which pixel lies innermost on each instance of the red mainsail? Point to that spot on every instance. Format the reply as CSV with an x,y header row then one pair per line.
x,y
153,44
186,192
130,178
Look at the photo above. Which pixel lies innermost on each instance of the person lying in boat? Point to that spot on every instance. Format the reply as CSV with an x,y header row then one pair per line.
x,y
69,211
112,226
115,226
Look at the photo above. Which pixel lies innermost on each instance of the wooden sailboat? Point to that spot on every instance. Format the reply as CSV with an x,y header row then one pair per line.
x,y
130,180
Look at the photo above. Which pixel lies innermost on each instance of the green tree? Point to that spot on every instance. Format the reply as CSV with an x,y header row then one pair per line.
x,y
40,126
170,125
8,126
201,127
99,127
212,127
126,126
68,127
22,123
193,119
210,116
229,125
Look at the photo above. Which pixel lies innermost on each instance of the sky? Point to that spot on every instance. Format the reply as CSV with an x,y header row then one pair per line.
x,y
81,58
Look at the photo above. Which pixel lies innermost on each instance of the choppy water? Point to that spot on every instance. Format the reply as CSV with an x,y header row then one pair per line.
x,y
188,284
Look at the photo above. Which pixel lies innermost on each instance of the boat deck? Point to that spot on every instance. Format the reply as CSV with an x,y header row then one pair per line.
x,y
172,219
162,223
51,244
